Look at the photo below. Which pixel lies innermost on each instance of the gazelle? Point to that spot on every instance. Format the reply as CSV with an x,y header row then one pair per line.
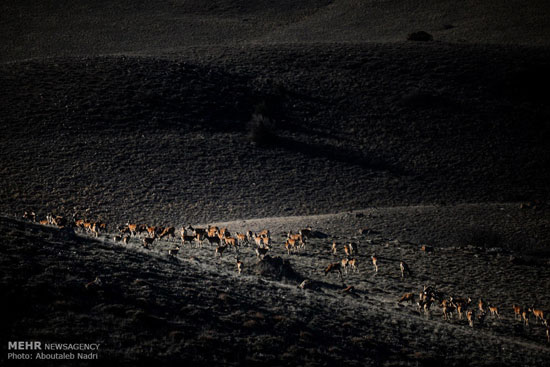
x,y
220,249
334,267
174,251
470,317
525,316
352,263
334,249
375,262
239,266
494,311
481,305
538,313
517,312
404,269
261,251
407,297
148,241
344,265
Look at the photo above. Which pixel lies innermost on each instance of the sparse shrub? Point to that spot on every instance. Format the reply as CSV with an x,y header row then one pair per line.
x,y
420,36
261,130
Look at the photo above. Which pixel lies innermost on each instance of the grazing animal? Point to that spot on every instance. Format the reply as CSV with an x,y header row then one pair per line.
x,y
470,317
494,311
168,231
44,222
334,267
148,241
481,305
131,227
404,269
292,236
334,249
214,240
306,232
30,216
347,250
427,248
448,309
241,238
517,312
353,249
258,240
261,251
212,231
344,264
94,283
349,289
174,251
375,263
538,313
352,263
199,237
407,297
220,249
290,245
125,239
231,241
265,233
151,231
525,316
239,266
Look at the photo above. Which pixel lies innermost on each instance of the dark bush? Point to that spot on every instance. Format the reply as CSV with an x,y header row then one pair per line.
x,y
420,36
261,130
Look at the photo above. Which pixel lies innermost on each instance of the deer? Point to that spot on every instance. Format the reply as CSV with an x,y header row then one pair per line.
x,y
214,240
407,297
306,232
265,233
517,312
448,309
174,251
334,249
494,311
290,245
231,241
148,241
220,249
481,305
261,251
131,227
125,239
404,269
347,250
30,216
538,313
199,237
168,231
470,317
352,263
353,249
375,262
333,268
239,266
525,316
241,238
152,231
344,265
212,231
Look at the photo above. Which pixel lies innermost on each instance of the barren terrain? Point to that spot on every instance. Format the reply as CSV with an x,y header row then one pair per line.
x,y
278,115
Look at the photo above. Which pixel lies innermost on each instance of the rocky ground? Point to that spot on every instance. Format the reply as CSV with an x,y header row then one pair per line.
x,y
279,115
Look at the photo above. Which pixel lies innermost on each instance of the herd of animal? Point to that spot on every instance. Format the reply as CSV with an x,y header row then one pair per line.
x,y
262,243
